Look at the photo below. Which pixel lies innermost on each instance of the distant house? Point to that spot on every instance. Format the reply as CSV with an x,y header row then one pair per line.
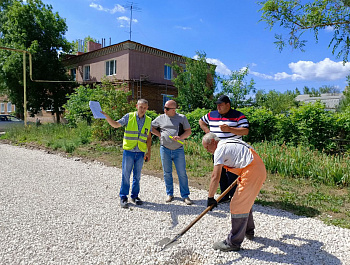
x,y
331,100
6,107
143,70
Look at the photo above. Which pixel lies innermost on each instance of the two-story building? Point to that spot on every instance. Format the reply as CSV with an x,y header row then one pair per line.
x,y
143,70
6,107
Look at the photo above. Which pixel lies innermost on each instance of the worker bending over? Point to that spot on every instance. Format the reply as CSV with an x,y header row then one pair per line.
x,y
241,159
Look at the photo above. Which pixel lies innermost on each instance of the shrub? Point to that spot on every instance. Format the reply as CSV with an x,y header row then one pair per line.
x,y
193,119
261,121
113,100
313,125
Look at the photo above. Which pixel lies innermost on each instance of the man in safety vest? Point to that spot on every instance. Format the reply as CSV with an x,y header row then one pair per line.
x,y
240,158
137,148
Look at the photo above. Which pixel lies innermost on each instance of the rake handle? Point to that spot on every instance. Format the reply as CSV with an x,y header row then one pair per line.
x,y
206,210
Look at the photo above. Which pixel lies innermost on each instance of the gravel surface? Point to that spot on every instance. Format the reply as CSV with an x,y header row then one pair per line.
x,y
57,210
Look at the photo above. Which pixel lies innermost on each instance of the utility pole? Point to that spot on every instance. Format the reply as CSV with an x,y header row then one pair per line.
x,y
133,7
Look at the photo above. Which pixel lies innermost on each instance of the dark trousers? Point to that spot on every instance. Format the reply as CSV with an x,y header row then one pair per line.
x,y
226,179
241,226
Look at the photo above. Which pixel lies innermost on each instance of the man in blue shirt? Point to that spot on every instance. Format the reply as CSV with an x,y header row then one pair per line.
x,y
137,149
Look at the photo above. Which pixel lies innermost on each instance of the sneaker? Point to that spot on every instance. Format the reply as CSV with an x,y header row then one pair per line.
x,y
124,203
223,246
169,198
188,201
249,236
137,201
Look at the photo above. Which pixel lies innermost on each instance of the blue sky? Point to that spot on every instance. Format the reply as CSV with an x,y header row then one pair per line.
x,y
228,31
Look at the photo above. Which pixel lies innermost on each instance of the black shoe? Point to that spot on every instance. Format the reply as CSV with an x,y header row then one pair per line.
x,y
137,201
249,236
124,203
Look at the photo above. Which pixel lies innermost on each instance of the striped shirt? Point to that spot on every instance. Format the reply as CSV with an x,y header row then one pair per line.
x,y
232,118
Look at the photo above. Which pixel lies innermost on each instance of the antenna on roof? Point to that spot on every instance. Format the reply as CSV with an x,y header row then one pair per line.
x,y
133,7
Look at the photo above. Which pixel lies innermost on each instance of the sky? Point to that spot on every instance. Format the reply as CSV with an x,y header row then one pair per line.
x,y
227,31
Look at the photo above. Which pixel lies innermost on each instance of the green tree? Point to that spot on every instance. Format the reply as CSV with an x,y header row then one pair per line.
x,y
113,101
75,44
195,82
345,102
276,102
237,88
329,89
32,26
299,17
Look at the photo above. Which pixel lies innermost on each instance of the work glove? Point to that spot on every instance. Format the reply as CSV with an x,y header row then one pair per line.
x,y
212,201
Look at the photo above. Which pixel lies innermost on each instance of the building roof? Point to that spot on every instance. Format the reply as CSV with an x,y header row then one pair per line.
x,y
331,100
125,45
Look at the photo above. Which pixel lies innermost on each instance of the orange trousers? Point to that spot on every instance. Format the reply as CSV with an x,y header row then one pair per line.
x,y
249,183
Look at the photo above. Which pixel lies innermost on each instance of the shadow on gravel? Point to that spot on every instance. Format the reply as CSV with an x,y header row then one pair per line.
x,y
288,250
175,210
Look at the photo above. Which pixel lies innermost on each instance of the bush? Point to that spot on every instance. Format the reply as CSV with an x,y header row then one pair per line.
x,y
312,125
113,100
261,121
77,107
193,119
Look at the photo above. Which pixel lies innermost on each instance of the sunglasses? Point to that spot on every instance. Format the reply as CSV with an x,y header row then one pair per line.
x,y
166,108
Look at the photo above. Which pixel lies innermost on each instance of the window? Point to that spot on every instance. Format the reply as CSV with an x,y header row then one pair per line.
x,y
73,73
111,67
87,72
166,98
9,107
2,107
168,72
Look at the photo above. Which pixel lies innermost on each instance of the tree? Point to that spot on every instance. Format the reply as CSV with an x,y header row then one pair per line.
x,y
32,26
298,18
313,92
237,88
329,89
345,102
75,44
276,102
195,82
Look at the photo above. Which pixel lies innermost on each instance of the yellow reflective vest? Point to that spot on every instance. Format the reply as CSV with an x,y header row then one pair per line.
x,y
133,137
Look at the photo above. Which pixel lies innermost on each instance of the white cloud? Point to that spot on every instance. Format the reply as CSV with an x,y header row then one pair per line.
x,y
117,8
221,68
183,28
326,70
125,21
329,28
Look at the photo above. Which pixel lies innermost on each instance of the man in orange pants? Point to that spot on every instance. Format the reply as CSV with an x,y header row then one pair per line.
x,y
240,158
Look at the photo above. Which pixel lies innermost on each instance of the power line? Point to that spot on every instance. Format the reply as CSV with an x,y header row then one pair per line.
x,y
133,7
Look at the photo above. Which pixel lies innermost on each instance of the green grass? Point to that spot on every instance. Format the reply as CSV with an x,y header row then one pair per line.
x,y
300,180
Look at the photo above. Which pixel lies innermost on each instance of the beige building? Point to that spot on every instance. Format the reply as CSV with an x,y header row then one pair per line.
x,y
144,70
6,107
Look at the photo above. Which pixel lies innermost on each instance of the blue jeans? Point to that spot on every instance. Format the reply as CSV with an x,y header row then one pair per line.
x,y
131,161
178,156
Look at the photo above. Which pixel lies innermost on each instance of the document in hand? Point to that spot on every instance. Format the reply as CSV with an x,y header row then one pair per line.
x,y
96,110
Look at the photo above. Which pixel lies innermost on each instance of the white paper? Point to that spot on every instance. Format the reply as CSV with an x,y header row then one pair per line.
x,y
96,110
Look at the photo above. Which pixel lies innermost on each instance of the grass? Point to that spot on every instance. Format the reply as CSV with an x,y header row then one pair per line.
x,y
303,181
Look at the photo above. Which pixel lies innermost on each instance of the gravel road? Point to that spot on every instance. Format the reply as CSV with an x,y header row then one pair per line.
x,y
57,210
